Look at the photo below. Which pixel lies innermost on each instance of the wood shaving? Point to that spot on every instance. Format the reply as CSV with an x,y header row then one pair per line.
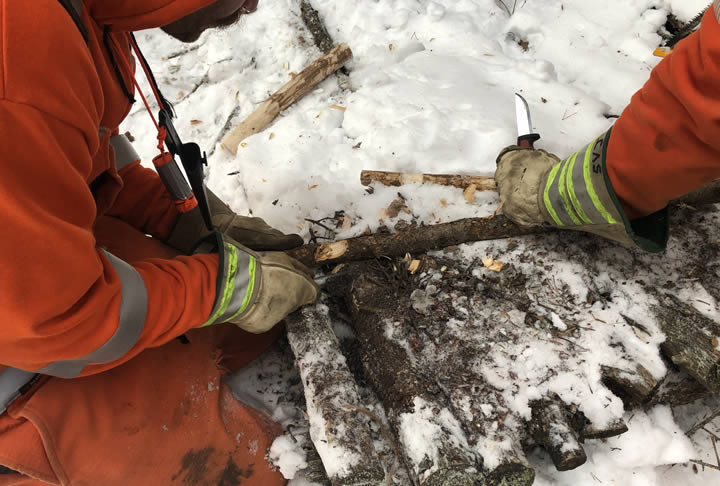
x,y
492,264
469,193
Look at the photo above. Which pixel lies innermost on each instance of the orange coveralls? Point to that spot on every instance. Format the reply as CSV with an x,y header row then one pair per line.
x,y
667,141
72,227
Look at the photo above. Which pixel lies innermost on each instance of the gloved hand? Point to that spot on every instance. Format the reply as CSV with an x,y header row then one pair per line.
x,y
248,231
257,290
536,187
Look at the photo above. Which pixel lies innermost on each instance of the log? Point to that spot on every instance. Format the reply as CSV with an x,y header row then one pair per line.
x,y
417,396
295,89
421,239
677,389
692,341
410,399
340,434
633,387
367,177
551,427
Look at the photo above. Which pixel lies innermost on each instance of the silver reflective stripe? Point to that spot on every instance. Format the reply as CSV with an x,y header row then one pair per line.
x,y
77,6
125,153
133,310
11,381
174,181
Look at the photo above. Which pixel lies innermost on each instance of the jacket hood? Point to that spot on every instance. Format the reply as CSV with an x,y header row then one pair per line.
x,y
133,15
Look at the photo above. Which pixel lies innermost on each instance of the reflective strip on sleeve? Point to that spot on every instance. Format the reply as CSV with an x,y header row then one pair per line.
x,y
12,381
576,192
131,322
125,153
590,154
716,7
237,285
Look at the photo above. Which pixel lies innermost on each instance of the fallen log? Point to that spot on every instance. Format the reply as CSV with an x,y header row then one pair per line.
x,y
340,434
692,341
411,401
633,387
551,427
295,89
421,239
414,397
367,177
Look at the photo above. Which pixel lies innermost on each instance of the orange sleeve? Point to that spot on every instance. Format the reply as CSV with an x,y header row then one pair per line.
x,y
143,202
60,295
667,141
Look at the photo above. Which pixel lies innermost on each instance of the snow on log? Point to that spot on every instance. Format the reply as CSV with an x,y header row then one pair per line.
x,y
692,341
551,428
338,431
634,387
367,177
440,428
295,89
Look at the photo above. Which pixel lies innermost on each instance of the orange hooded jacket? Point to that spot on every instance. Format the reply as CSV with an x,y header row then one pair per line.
x,y
667,141
61,295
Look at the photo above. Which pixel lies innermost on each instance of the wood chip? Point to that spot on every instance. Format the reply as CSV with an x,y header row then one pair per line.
x,y
337,107
443,203
195,122
492,264
414,266
310,188
396,207
272,135
346,223
331,251
469,193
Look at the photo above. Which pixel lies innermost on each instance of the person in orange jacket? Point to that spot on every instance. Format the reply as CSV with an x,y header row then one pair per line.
x,y
664,145
94,386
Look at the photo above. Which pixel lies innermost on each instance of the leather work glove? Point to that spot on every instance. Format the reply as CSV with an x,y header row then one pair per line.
x,y
257,290
248,231
536,188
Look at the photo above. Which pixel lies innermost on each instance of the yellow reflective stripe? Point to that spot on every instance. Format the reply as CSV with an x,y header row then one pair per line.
x,y
546,196
564,196
250,288
591,189
571,190
229,287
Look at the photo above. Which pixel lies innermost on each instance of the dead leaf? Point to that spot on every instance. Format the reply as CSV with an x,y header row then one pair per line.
x,y
243,145
414,266
492,264
392,47
337,107
395,207
272,135
443,203
310,188
195,122
469,193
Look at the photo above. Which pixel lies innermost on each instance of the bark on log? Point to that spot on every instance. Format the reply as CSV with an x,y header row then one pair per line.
x,y
691,341
551,428
367,177
340,433
424,238
412,395
406,393
295,89
677,389
633,387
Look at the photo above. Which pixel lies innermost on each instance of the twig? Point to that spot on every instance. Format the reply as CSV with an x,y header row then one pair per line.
x,y
705,464
703,423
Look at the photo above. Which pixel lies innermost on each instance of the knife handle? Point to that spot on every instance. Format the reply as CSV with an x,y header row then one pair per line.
x,y
528,141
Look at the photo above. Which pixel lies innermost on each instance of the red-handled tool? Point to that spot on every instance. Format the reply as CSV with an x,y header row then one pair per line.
x,y
526,137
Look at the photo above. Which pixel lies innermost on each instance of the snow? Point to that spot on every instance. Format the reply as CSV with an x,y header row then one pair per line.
x,y
431,90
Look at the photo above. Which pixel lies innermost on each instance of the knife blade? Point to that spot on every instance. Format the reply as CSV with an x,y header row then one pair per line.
x,y
526,137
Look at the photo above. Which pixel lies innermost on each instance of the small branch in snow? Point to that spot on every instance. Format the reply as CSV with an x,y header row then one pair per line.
x,y
705,464
703,423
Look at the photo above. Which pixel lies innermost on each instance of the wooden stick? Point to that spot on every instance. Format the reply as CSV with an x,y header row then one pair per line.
x,y
424,238
295,89
367,177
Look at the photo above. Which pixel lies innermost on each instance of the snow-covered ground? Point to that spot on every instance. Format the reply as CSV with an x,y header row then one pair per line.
x,y
430,90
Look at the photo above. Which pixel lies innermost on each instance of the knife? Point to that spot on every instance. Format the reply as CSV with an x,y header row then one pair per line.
x,y
526,137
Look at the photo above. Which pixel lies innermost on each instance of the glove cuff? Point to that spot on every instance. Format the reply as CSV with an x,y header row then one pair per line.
x,y
238,277
578,195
